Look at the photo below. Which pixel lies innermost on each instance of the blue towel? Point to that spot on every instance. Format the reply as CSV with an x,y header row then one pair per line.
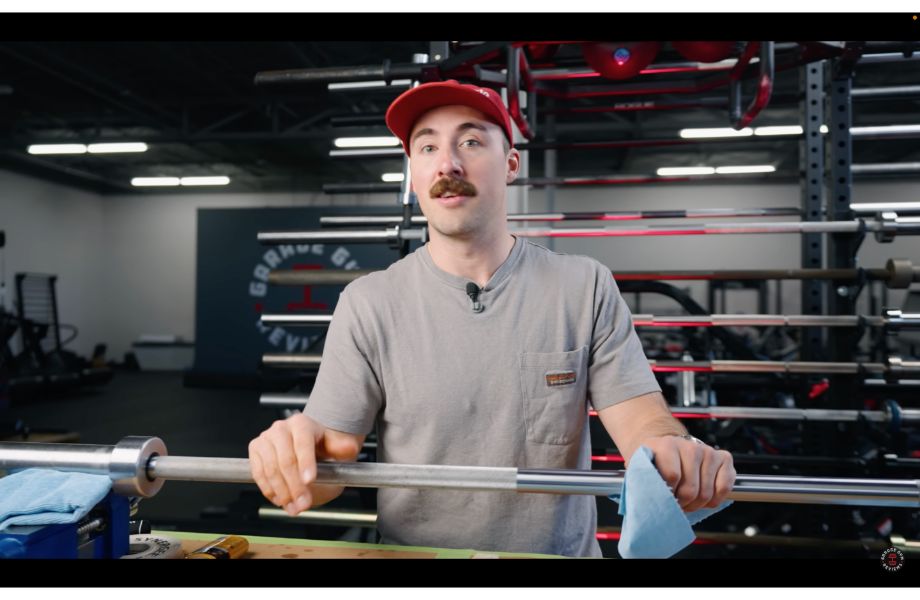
x,y
654,525
43,496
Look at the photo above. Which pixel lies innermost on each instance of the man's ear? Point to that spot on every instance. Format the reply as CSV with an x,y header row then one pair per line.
x,y
513,165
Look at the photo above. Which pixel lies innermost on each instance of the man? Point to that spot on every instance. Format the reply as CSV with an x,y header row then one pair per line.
x,y
501,378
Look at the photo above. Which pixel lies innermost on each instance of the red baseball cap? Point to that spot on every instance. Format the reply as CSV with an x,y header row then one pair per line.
x,y
413,103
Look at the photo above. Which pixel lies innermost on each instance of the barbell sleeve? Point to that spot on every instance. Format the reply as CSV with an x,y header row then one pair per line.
x,y
125,463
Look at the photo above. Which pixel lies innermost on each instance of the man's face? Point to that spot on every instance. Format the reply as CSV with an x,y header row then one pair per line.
x,y
460,171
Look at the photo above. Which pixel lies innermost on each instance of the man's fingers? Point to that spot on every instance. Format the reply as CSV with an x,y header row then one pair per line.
x,y
707,476
305,455
724,480
667,461
691,457
257,470
274,445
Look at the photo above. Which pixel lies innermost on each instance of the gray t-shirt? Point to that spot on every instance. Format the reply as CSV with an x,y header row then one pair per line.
x,y
449,386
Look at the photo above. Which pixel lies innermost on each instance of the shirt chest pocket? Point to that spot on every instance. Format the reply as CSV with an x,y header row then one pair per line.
x,y
554,386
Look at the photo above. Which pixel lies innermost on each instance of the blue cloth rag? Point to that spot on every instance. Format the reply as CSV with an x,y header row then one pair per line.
x,y
43,497
654,525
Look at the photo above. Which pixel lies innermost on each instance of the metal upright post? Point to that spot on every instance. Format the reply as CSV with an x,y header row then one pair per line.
x,y
407,198
811,168
841,247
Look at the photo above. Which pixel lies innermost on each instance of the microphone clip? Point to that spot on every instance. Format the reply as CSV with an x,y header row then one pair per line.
x,y
472,290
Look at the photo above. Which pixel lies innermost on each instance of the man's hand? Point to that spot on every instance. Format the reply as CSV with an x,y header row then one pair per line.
x,y
700,475
283,461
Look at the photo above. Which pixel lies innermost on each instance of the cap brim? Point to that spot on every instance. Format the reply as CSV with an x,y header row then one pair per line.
x,y
407,109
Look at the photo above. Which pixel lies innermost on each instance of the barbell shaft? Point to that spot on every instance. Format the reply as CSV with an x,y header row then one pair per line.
x,y
154,467
296,320
753,488
344,237
802,227
301,361
715,320
319,277
791,414
298,401
898,273
619,215
728,320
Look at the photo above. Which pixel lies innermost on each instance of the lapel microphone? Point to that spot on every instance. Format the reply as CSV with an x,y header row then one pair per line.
x,y
472,290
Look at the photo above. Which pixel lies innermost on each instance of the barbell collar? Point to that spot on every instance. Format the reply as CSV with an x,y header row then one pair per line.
x,y
901,273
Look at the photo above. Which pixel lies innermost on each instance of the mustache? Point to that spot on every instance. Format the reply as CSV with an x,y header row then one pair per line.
x,y
452,186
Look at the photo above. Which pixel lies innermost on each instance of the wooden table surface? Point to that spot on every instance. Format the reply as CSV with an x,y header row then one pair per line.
x,y
284,548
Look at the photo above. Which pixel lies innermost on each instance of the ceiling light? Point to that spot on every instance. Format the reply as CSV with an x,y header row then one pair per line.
x,y
779,130
716,132
366,142
666,171
154,181
885,129
392,177
761,131
57,149
211,180
118,147
745,169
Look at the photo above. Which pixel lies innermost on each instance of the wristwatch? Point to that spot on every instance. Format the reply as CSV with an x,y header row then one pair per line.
x,y
690,438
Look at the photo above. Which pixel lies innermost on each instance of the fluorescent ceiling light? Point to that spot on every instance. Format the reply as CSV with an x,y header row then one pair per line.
x,y
366,142
717,132
367,85
745,169
666,171
211,180
154,181
779,130
892,206
119,147
770,130
392,177
885,129
57,149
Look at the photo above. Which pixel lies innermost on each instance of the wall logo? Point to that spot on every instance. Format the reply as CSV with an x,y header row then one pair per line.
x,y
292,299
892,559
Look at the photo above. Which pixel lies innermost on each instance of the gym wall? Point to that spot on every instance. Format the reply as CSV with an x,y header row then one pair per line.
x,y
128,261
57,229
